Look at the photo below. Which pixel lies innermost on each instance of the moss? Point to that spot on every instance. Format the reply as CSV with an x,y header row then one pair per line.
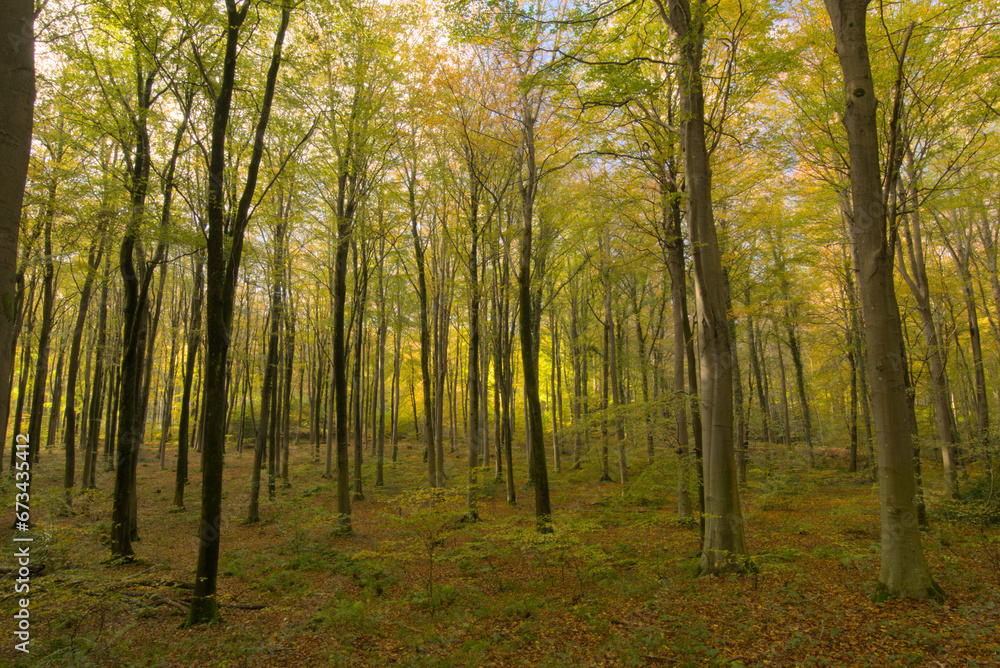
x,y
883,594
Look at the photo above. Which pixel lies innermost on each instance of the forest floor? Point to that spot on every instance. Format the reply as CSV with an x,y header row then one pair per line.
x,y
615,584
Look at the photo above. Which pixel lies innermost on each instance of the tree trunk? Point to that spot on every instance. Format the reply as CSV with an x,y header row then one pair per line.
x,y
425,341
96,401
193,343
723,547
44,330
345,219
397,358
904,570
755,367
222,276
69,437
474,337
611,352
268,392
360,301
785,418
742,444
17,80
917,280
577,352
380,372
800,383
553,393
168,400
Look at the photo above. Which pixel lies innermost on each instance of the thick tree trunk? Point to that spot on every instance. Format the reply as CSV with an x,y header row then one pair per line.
x,y
904,570
17,80
723,547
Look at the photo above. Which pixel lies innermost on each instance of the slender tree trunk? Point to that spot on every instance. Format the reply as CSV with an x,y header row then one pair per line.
x,y
286,403
554,333
917,280
69,436
397,359
222,277
605,403
96,401
380,373
577,352
425,343
474,344
55,403
44,331
611,364
268,393
168,399
22,384
673,240
111,419
755,367
345,221
800,383
151,331
360,301
785,420
852,420
193,342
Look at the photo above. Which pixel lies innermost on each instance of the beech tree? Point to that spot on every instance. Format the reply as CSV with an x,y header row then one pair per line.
x,y
723,544
226,230
904,571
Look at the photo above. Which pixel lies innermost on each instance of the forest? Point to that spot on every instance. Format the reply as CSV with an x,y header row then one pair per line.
x,y
500,333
